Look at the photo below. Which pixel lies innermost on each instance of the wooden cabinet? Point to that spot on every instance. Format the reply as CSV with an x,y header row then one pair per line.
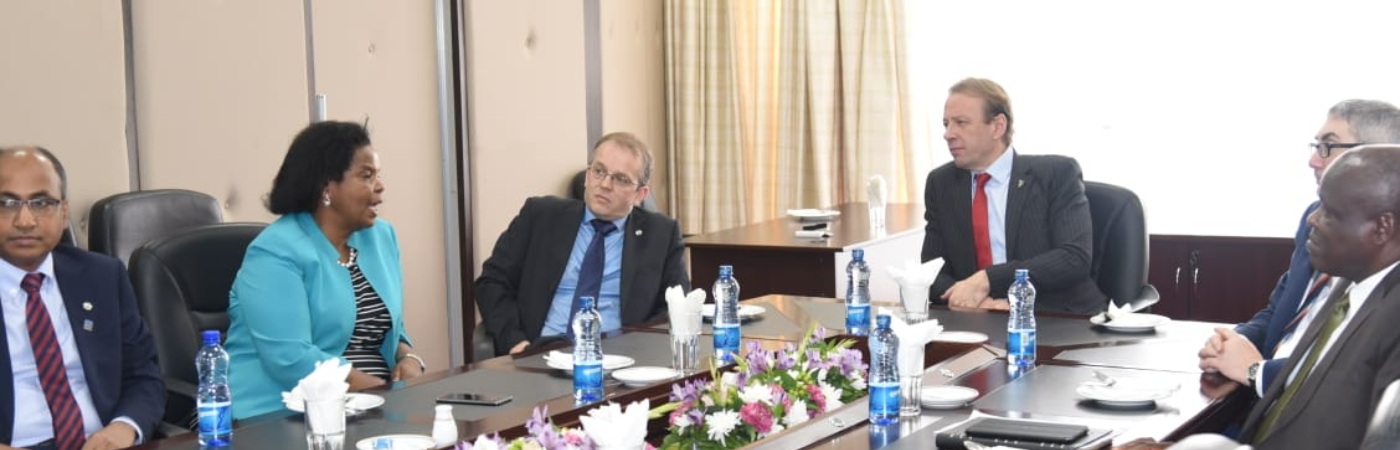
x,y
1215,278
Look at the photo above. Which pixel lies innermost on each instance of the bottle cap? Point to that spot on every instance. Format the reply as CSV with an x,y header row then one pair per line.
x,y
726,270
882,321
858,254
211,336
585,302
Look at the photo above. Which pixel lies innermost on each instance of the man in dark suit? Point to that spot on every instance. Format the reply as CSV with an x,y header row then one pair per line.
x,y
991,211
81,357
1351,352
1254,352
540,264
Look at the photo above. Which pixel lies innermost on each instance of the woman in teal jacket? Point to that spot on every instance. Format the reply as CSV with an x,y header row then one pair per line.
x,y
321,281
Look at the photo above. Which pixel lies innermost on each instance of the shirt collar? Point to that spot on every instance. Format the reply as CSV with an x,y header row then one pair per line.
x,y
588,216
1362,289
11,276
1001,168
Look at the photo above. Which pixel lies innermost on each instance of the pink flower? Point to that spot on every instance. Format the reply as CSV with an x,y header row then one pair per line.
x,y
818,400
758,416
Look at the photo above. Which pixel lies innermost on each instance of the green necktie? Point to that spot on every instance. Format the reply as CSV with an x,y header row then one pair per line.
x,y
1334,321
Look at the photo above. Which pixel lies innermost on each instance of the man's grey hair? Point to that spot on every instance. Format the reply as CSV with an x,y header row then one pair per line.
x,y
1371,121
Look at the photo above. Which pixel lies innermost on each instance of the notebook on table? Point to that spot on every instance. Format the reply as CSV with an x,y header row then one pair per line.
x,y
1025,434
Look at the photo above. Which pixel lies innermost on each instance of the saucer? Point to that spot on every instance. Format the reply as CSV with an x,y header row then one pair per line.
x,y
946,397
746,312
813,214
397,442
1125,393
355,403
644,375
1136,322
565,361
961,337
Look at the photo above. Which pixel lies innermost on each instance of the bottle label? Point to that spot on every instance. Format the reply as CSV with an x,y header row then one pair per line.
x,y
1020,344
857,317
588,375
215,418
727,342
884,399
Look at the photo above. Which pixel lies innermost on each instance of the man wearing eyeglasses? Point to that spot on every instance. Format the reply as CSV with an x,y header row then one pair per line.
x,y
557,250
81,358
1253,352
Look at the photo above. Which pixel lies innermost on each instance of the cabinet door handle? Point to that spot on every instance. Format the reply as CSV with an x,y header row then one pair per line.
x,y
1177,281
1195,275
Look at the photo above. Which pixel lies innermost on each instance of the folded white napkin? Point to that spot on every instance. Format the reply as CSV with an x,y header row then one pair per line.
x,y
682,305
327,380
612,427
914,279
912,338
1114,311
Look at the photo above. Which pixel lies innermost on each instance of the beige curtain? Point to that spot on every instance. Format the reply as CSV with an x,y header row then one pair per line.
x,y
783,104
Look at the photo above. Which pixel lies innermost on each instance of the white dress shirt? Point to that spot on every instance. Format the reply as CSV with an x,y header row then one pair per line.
x,y
1358,293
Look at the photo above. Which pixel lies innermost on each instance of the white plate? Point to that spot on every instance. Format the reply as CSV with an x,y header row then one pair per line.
x,y
1136,322
644,375
963,337
813,214
398,442
746,312
946,397
355,403
565,361
1125,392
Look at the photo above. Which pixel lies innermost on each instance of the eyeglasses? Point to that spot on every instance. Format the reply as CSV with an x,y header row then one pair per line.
x,y
39,207
1324,149
619,179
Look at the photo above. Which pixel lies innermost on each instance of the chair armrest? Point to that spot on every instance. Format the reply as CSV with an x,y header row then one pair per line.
x,y
483,347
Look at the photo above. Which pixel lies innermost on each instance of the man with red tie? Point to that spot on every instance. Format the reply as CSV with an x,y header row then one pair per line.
x,y
1253,352
80,356
991,211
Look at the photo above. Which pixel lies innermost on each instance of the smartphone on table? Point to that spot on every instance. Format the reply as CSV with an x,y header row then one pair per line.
x,y
467,398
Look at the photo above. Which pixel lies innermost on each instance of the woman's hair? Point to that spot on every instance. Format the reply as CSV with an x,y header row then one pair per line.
x,y
320,154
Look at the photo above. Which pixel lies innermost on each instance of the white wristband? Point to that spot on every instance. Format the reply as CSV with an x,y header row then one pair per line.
x,y
421,364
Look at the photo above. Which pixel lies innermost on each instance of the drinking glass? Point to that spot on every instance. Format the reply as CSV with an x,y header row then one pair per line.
x,y
915,301
325,423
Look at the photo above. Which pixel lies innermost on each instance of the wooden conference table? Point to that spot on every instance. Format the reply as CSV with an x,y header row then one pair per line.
x,y
1070,349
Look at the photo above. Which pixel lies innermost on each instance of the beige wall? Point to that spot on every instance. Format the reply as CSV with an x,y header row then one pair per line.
x,y
221,88
633,74
68,94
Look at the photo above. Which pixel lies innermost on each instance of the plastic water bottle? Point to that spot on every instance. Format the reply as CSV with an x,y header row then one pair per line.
x,y
726,294
588,353
212,401
858,294
884,373
1020,327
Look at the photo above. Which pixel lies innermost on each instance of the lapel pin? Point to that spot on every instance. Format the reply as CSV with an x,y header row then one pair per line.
x,y
87,324
1020,183
87,306
639,232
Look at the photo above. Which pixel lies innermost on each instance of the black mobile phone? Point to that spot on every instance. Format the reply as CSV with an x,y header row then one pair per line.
x,y
464,398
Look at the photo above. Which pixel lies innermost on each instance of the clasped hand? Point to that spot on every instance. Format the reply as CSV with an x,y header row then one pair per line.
x,y
1230,354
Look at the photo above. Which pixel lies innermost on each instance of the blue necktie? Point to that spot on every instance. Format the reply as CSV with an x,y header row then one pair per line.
x,y
590,273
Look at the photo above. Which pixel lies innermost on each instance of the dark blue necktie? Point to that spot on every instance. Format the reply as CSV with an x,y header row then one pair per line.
x,y
590,273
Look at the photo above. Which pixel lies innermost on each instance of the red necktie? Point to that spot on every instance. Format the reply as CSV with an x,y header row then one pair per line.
x,y
981,235
48,360
1308,298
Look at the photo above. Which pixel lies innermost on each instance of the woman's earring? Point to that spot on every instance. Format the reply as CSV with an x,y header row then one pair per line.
x,y
326,199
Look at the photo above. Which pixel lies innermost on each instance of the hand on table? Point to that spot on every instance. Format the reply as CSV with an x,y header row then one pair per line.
x,y
519,347
406,369
970,292
1143,444
115,435
1230,354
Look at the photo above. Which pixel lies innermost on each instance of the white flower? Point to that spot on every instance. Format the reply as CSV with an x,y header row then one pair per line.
x,y
755,393
821,374
858,383
683,421
775,429
485,443
833,396
797,413
720,424
729,379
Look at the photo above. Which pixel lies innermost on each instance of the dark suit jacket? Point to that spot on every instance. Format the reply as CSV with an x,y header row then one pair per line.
x,y
119,357
1265,329
518,281
1333,406
1048,231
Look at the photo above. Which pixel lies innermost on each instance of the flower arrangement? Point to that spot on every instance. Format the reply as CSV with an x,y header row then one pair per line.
x,y
543,435
766,393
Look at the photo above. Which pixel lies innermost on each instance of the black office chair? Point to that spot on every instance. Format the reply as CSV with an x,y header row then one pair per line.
x,y
182,283
1384,431
120,223
1120,245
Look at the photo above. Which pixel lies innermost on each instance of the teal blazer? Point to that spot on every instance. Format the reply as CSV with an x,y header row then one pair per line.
x,y
292,305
